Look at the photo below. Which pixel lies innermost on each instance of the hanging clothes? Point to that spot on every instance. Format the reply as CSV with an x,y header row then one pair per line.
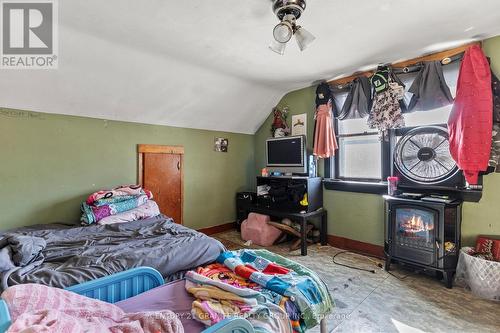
x,y
386,111
470,121
396,79
494,162
429,88
380,82
359,100
495,88
325,142
323,94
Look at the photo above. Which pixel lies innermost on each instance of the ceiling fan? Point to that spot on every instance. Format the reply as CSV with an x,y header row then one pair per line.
x,y
288,12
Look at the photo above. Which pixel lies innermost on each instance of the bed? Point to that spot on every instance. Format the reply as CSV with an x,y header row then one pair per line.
x,y
141,288
76,254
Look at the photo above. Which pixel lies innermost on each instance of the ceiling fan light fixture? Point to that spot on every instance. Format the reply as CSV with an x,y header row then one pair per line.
x,y
283,31
277,47
288,11
303,38
282,8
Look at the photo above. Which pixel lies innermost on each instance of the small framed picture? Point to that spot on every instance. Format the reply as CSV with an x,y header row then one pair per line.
x,y
221,144
299,124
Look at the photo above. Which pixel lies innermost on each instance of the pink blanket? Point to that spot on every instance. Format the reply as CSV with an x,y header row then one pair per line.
x,y
36,308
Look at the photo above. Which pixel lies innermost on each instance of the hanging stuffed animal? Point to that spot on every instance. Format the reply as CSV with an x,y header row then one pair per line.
x,y
279,127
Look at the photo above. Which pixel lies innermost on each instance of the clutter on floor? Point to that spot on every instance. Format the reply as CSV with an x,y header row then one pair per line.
x,y
367,302
478,268
258,229
287,230
480,275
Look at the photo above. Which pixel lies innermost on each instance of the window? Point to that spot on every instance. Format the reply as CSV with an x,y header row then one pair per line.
x,y
358,151
364,160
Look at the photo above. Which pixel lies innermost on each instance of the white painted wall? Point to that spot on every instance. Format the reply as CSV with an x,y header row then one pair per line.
x,y
205,64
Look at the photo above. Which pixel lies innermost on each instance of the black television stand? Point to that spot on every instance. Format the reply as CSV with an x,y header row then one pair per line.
x,y
285,193
283,201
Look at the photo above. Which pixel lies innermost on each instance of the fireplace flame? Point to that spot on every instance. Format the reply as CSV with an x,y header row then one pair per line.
x,y
416,224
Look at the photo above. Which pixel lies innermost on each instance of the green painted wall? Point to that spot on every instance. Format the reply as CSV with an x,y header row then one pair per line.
x,y
492,49
361,216
50,163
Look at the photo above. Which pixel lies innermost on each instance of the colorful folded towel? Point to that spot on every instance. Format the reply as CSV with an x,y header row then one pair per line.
x,y
112,200
92,214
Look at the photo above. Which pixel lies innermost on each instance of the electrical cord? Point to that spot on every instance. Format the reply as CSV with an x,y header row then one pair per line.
x,y
379,265
349,266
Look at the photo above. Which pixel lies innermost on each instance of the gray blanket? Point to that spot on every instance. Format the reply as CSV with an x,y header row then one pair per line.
x,y
74,255
19,253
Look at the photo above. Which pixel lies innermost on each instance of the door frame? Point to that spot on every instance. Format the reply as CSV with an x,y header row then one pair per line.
x,y
161,149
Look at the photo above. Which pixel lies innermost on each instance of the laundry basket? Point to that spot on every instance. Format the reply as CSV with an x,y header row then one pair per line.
x,y
480,275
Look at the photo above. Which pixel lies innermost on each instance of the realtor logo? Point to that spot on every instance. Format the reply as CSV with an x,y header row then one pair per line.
x,y
29,34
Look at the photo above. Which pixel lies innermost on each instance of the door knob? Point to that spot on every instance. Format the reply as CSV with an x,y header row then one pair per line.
x,y
178,165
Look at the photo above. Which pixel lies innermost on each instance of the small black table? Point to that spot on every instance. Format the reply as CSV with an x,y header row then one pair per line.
x,y
298,217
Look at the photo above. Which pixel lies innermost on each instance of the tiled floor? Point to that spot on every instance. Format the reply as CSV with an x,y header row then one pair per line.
x,y
367,302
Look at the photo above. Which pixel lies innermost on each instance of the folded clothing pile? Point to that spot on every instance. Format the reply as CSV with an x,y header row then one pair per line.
x,y
122,204
274,293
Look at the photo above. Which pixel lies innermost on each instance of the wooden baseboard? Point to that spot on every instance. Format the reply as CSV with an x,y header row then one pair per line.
x,y
335,241
357,246
218,228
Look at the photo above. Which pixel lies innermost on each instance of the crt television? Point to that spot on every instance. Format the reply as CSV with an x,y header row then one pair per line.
x,y
287,154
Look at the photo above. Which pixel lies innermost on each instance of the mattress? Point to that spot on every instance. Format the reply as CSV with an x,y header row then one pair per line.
x,y
171,296
78,254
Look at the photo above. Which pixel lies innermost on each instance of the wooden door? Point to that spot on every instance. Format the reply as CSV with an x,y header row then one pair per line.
x,y
160,171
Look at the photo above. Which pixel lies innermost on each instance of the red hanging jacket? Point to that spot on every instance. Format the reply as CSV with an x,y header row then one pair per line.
x,y
470,121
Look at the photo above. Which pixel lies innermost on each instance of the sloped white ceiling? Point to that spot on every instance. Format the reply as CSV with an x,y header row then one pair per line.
x,y
205,64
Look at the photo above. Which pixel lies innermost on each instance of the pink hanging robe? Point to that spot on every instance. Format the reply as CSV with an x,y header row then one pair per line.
x,y
325,142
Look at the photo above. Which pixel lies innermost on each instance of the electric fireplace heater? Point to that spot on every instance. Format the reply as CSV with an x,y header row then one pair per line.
x,y
423,233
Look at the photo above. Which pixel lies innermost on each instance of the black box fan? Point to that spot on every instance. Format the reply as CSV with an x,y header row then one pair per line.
x,y
422,159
